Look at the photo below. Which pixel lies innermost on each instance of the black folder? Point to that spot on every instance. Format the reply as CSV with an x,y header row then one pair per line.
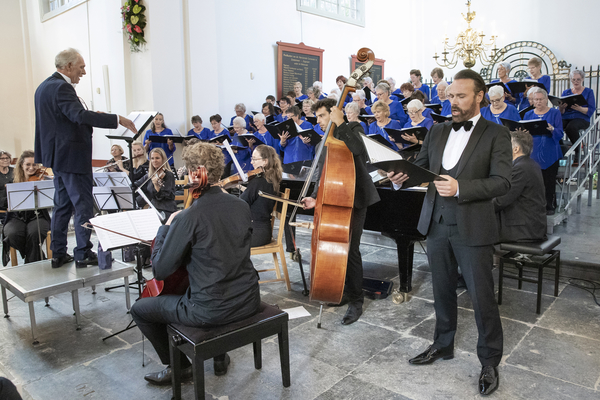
x,y
163,139
525,111
377,137
312,120
219,139
440,118
315,138
365,118
519,87
400,96
410,153
244,139
368,93
436,108
278,128
536,127
416,174
490,85
418,131
571,100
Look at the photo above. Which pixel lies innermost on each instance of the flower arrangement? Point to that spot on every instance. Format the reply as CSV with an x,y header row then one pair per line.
x,y
134,22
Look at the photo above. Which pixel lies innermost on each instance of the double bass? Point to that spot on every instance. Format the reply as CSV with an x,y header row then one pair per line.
x,y
331,234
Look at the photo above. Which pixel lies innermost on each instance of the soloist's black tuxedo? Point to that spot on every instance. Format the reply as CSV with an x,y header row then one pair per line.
x,y
522,211
461,230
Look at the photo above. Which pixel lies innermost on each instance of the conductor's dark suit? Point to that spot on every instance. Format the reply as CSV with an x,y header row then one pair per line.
x,y
522,211
63,142
462,230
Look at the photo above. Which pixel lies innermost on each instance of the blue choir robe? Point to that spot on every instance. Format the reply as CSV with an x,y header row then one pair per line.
x,y
426,91
434,94
393,124
427,123
524,101
446,108
296,150
426,113
507,101
588,94
318,129
435,100
164,146
213,134
280,117
323,96
364,126
203,135
510,112
249,122
397,112
546,149
266,138
243,156
302,98
348,99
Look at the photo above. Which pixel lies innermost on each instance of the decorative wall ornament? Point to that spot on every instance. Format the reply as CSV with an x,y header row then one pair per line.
x,y
134,22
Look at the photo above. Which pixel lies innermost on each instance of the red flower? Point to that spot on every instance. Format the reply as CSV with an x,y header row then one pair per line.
x,y
137,1
138,29
129,28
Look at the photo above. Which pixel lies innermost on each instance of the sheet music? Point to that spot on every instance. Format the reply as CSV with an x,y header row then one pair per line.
x,y
378,152
142,224
21,195
121,200
112,179
139,119
235,161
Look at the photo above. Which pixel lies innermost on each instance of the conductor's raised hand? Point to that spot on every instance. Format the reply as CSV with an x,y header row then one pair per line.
x,y
337,116
398,178
308,203
447,188
127,123
172,217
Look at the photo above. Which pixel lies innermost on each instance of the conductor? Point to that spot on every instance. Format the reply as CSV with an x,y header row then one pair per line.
x,y
63,142
474,156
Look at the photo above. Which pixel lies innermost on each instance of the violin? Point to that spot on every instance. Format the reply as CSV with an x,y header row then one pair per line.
x,y
41,174
236,179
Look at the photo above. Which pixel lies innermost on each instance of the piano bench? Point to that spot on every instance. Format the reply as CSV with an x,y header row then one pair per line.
x,y
543,249
201,344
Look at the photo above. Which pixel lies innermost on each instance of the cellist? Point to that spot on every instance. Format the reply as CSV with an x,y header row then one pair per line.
x,y
365,194
212,240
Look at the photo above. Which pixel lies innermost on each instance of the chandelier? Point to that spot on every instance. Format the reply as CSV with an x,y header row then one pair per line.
x,y
469,46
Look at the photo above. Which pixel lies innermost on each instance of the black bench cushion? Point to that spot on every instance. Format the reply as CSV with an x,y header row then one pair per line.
x,y
202,334
535,248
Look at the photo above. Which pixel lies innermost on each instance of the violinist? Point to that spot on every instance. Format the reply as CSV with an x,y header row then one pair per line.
x,y
211,239
160,186
6,176
140,162
365,194
115,164
263,156
21,228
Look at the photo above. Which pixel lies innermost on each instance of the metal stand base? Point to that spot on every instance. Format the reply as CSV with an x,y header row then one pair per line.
x,y
320,314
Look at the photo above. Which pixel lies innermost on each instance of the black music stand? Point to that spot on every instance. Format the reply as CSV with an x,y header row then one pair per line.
x,y
34,196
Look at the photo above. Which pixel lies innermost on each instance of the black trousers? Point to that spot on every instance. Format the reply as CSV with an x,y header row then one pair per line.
x,y
446,249
24,237
354,269
261,234
288,232
549,176
8,391
572,128
153,314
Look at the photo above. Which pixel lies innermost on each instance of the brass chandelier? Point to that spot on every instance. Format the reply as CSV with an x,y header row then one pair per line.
x,y
469,46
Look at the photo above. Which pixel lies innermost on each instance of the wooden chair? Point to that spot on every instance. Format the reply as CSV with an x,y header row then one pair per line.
x,y
13,251
276,245
184,196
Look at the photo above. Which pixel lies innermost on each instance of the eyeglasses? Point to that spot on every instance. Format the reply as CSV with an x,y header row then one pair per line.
x,y
5,158
577,80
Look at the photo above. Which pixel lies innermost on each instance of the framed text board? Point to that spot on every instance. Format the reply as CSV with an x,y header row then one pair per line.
x,y
297,63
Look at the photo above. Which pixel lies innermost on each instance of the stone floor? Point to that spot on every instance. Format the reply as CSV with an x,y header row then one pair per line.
x,y
554,355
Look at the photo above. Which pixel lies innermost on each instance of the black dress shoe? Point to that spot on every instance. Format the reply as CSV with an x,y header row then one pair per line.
x,y
91,259
163,378
431,354
221,365
58,262
488,380
353,313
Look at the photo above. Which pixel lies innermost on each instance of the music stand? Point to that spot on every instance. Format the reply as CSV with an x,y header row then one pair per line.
x,y
113,191
37,195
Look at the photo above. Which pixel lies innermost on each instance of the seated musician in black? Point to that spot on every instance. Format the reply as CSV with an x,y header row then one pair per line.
x,y
211,239
261,207
522,211
365,194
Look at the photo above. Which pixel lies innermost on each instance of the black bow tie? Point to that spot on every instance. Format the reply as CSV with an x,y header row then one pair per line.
x,y
466,124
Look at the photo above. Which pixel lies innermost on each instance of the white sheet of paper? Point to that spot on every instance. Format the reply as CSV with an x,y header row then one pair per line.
x,y
139,118
297,312
142,224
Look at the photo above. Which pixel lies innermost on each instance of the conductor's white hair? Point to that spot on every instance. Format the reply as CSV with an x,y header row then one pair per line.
x,y
496,91
65,57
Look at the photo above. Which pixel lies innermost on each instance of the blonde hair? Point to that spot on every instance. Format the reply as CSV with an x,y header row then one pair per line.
x,y
139,160
381,106
163,156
